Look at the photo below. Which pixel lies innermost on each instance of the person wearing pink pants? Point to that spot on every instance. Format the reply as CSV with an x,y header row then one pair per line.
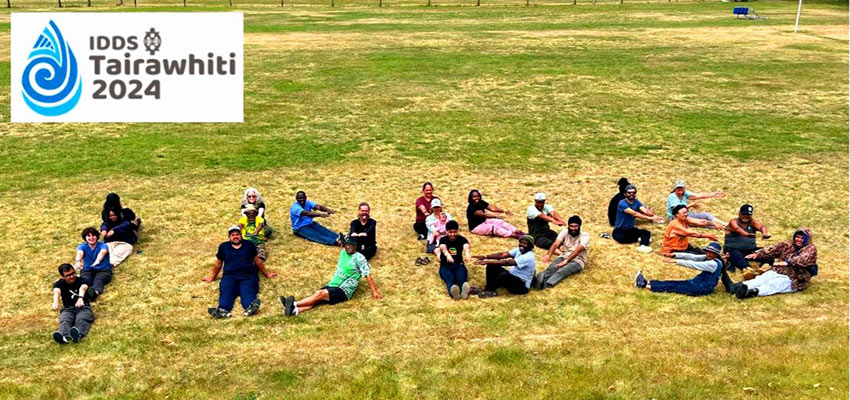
x,y
486,219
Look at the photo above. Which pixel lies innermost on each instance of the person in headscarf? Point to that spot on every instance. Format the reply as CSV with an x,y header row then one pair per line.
x,y
794,264
252,196
615,201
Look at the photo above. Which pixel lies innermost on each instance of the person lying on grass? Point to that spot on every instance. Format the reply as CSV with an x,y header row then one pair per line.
x,y
75,317
794,263
486,219
538,216
710,263
301,214
517,280
93,258
628,210
350,267
436,223
241,265
680,196
452,268
675,239
740,240
252,196
254,229
363,230
571,244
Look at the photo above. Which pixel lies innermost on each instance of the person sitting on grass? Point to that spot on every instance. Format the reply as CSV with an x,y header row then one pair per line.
x,y
517,280
572,244
798,263
241,264
363,230
423,210
710,263
350,267
93,259
538,216
252,196
301,214
678,231
482,222
680,196
740,240
113,202
119,236
254,229
75,317
436,223
628,210
615,201
452,268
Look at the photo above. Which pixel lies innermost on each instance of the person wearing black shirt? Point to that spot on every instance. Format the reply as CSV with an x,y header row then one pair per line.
x,y
241,263
452,268
362,230
486,219
76,317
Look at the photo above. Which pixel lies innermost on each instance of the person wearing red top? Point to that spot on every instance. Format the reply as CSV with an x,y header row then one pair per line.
x,y
423,210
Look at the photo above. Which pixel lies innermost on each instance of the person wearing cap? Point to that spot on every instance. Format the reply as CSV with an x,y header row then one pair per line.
x,y
680,196
794,264
675,239
350,268
301,213
363,231
740,240
710,263
241,263
615,201
628,210
538,216
436,223
252,196
516,280
423,210
254,229
486,219
572,243
452,268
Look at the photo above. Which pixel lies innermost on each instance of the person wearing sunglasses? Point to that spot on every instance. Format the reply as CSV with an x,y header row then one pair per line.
x,y
628,211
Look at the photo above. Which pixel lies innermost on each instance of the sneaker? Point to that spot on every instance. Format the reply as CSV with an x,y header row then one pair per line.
x,y
59,338
92,295
288,305
75,335
252,308
640,281
218,313
420,237
455,291
605,235
486,293
464,291
644,249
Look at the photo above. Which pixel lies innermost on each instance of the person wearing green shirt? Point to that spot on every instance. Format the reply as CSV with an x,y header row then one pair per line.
x,y
350,268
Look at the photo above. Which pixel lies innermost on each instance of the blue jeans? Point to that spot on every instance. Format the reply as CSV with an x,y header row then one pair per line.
x,y
319,234
453,274
699,285
245,286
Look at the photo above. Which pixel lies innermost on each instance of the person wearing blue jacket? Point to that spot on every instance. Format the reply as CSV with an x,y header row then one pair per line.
x,y
710,263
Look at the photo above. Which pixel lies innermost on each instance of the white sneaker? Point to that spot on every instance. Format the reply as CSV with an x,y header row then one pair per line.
x,y
644,249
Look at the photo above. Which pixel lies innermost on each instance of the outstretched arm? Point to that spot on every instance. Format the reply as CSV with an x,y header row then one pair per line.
x,y
262,267
552,248
761,228
713,195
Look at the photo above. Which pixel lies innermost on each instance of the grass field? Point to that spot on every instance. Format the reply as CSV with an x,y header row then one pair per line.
x,y
360,103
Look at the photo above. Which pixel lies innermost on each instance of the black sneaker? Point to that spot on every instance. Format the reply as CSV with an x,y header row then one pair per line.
x,y
92,295
252,308
640,281
288,305
218,313
743,292
75,335
60,338
420,237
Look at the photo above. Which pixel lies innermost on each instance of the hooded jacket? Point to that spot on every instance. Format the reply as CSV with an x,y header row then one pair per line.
x,y
799,259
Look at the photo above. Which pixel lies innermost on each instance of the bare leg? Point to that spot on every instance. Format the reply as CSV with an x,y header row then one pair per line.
x,y
310,302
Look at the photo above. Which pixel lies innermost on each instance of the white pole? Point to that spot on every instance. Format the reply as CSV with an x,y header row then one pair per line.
x,y
797,21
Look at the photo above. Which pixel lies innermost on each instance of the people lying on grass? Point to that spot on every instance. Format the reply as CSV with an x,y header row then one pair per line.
x,y
740,240
794,263
436,223
423,210
119,236
254,229
615,201
301,214
241,264
572,245
350,267
363,231
710,263
75,317
678,231
453,271
92,260
486,219
113,202
538,216
252,196
680,196
628,211
516,280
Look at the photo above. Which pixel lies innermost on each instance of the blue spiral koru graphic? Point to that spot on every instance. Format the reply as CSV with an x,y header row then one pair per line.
x,y
51,82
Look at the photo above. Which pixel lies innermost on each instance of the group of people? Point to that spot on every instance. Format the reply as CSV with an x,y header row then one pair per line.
x,y
83,282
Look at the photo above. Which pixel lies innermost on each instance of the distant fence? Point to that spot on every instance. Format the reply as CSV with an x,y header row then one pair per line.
x,y
286,3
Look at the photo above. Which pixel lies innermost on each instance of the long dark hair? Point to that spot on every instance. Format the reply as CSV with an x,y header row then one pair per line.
x,y
469,198
118,213
112,203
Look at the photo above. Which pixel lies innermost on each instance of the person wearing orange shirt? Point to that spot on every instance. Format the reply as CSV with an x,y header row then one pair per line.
x,y
676,235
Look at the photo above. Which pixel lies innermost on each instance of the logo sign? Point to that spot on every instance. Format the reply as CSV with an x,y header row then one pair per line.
x,y
126,67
